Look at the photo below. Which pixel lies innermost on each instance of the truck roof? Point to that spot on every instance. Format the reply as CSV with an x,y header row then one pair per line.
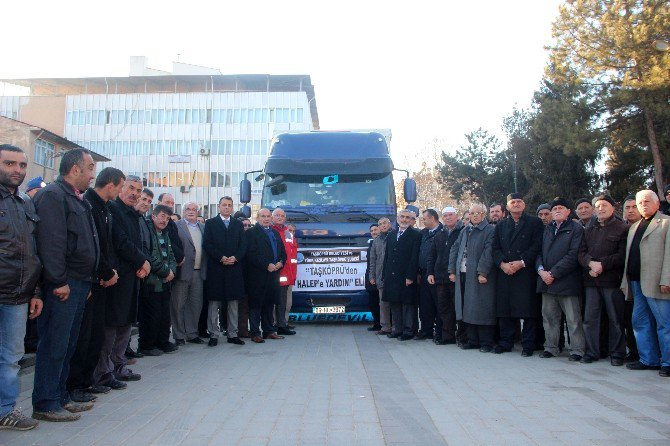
x,y
330,145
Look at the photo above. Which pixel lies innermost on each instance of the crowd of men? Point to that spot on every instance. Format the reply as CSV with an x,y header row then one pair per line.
x,y
88,263
499,275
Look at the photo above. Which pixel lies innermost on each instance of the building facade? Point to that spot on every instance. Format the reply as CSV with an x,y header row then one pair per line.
x,y
192,135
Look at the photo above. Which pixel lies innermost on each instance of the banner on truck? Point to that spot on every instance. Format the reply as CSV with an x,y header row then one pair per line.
x,y
331,269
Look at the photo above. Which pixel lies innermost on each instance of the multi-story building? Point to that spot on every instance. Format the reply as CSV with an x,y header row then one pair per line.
x,y
193,132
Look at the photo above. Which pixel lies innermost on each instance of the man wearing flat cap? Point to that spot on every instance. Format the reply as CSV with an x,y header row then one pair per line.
x,y
601,255
560,280
516,245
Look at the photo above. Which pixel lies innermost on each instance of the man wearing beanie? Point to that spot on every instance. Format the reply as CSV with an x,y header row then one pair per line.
x,y
601,256
544,213
516,244
34,185
560,280
584,211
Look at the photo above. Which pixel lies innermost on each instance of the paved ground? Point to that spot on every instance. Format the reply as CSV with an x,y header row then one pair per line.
x,y
341,385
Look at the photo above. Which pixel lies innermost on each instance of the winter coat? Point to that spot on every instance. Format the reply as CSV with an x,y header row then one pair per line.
x,y
162,261
102,217
606,244
401,262
289,272
478,304
438,256
376,260
20,266
427,237
224,282
262,285
516,295
559,256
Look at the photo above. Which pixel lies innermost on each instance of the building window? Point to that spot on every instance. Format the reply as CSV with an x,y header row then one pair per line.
x,y
44,153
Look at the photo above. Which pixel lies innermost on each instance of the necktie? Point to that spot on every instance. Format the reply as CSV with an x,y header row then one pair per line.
x,y
226,222
400,234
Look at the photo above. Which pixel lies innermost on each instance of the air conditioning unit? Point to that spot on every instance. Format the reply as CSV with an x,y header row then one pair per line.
x,y
204,151
185,189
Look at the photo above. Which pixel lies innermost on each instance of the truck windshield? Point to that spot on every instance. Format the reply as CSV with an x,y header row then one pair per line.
x,y
336,190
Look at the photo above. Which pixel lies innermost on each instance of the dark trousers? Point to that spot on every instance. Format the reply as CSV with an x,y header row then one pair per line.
x,y
373,294
202,321
59,329
628,329
508,330
260,318
154,319
31,338
431,324
89,343
404,317
613,301
446,311
461,327
481,335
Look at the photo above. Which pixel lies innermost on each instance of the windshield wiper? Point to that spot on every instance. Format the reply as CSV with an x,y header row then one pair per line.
x,y
303,213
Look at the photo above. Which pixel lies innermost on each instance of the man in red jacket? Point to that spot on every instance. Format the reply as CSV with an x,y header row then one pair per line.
x,y
288,272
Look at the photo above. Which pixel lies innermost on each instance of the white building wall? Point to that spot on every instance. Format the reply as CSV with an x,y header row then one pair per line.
x,y
158,137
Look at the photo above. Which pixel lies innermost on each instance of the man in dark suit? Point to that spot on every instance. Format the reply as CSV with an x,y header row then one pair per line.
x,y
186,299
516,244
225,245
265,257
401,265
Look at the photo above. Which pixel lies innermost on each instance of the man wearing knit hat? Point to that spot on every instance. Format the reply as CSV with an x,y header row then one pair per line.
x,y
560,280
34,185
516,244
584,211
601,255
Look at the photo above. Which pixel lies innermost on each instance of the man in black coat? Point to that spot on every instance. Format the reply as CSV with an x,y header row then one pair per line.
x,y
516,244
401,265
431,324
225,244
438,274
121,304
265,257
92,332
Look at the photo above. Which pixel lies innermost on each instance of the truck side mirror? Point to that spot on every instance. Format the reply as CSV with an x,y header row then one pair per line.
x,y
246,210
245,191
409,190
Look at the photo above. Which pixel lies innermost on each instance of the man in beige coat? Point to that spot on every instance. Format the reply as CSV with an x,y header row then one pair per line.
x,y
647,280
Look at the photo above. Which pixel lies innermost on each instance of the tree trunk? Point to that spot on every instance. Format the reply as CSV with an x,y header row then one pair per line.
x,y
655,153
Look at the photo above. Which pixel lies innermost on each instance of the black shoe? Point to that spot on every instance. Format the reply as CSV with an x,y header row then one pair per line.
x,y
196,341
616,362
664,372
527,352
115,384
393,335
588,359
236,341
421,337
500,349
98,388
406,337
169,348
179,342
285,331
151,352
130,353
130,376
81,396
373,328
213,342
632,357
575,357
292,327
546,354
203,334
637,365
485,349
469,346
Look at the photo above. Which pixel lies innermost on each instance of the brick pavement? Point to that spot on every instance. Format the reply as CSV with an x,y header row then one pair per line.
x,y
338,384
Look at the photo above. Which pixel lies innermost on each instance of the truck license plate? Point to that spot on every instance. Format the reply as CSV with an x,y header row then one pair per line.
x,y
328,310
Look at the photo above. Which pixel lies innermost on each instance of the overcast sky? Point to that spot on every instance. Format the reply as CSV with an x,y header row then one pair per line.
x,y
425,70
